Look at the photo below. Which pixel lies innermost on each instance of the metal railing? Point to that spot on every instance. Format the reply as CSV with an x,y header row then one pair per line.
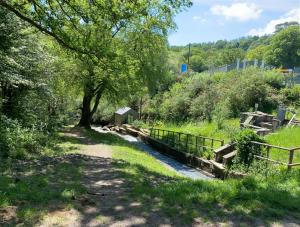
x,y
269,150
186,142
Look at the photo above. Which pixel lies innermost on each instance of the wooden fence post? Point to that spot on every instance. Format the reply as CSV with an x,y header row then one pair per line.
x,y
186,142
179,140
291,159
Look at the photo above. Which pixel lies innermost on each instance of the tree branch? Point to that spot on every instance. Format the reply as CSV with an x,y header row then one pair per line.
x,y
41,28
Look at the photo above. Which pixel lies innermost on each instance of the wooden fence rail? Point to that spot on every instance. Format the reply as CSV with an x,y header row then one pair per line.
x,y
266,154
186,142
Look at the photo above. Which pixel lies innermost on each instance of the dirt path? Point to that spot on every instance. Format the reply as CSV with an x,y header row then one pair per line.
x,y
107,201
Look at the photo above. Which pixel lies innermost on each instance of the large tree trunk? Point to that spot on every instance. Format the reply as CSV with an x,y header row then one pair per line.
x,y
92,93
86,111
86,116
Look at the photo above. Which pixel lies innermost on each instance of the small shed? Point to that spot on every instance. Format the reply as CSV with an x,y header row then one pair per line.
x,y
125,115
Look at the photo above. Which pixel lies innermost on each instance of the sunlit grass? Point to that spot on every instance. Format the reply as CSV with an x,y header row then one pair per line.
x,y
285,137
204,128
184,199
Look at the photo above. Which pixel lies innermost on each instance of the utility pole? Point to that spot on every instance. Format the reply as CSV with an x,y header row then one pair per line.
x,y
189,59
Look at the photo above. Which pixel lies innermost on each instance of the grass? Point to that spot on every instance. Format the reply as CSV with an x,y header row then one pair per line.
x,y
205,128
249,201
285,137
242,201
37,186
40,188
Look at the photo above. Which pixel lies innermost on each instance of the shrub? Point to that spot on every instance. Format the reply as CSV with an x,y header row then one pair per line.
x,y
246,149
139,124
291,95
274,79
17,142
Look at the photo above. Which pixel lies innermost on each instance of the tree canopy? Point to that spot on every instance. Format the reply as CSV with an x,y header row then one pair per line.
x,y
284,48
115,40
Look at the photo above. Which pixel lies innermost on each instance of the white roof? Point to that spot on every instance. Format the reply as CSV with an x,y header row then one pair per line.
x,y
123,110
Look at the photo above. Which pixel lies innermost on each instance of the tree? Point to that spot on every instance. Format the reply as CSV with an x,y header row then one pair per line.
x,y
229,56
19,67
256,53
284,48
97,32
197,63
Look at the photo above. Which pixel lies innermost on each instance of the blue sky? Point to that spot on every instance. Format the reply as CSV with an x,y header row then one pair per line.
x,y
211,20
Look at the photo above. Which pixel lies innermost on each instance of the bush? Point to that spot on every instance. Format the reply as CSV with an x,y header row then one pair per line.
x,y
247,150
139,124
17,142
199,96
291,95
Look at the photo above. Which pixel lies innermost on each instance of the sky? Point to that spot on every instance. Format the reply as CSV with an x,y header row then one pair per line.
x,y
212,20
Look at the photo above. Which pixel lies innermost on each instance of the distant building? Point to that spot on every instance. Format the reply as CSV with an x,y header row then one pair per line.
x,y
125,115
285,25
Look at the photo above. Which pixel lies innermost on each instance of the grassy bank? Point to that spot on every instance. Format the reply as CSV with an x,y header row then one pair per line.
x,y
204,128
254,199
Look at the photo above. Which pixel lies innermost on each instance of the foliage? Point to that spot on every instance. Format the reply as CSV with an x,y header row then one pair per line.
x,y
139,124
18,142
220,114
201,96
105,112
256,53
247,150
279,50
121,45
283,50
291,95
34,97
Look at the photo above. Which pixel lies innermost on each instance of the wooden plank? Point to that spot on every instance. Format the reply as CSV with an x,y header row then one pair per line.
x,y
270,160
269,145
294,164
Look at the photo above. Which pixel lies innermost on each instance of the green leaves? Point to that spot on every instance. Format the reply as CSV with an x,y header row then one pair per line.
x,y
284,48
247,150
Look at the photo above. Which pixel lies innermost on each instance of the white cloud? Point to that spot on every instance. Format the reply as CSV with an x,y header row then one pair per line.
x,y
293,15
267,5
199,18
240,11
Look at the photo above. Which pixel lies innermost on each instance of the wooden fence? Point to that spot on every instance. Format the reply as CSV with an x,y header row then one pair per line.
x,y
186,142
268,148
